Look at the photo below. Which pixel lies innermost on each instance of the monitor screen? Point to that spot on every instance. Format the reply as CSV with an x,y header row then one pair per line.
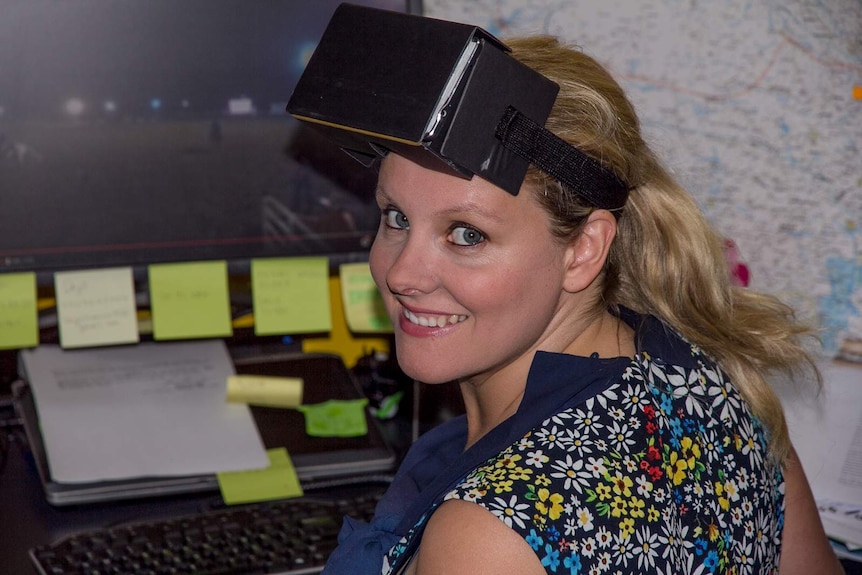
x,y
143,131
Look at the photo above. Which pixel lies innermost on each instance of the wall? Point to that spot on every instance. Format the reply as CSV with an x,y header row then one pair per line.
x,y
757,107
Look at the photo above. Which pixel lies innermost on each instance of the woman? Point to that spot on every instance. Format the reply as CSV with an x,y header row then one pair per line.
x,y
618,417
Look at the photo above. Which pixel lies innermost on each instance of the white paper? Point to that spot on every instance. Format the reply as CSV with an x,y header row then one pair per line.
x,y
153,409
826,431
843,526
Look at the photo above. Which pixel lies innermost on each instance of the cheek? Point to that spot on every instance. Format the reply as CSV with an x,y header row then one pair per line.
x,y
378,262
381,258
526,297
514,292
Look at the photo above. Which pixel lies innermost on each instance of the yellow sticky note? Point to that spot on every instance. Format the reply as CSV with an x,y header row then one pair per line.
x,y
857,92
340,340
363,306
336,418
96,307
19,316
278,481
265,390
290,295
190,300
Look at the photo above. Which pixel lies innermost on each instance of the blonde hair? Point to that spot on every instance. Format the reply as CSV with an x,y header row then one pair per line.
x,y
667,260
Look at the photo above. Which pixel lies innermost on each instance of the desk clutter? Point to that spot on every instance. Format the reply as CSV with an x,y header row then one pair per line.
x,y
316,421
165,418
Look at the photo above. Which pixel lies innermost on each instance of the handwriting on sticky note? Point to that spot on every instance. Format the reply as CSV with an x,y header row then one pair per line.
x,y
96,307
363,306
19,316
265,390
290,295
190,300
336,418
278,481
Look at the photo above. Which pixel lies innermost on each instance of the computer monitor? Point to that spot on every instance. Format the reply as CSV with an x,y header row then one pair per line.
x,y
142,131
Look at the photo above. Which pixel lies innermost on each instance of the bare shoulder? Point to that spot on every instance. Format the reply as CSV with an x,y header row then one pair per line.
x,y
464,538
804,546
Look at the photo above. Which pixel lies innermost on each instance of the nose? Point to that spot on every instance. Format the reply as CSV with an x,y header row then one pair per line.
x,y
409,267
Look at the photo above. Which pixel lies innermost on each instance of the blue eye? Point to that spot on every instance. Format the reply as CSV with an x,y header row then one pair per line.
x,y
395,219
467,236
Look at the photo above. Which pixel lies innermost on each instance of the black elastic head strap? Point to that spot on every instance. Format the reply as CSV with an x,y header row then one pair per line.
x,y
584,175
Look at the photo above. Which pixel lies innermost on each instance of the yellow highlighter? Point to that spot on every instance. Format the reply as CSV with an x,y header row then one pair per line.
x,y
266,391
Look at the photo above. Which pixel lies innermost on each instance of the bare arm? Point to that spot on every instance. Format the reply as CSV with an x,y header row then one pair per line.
x,y
464,538
804,548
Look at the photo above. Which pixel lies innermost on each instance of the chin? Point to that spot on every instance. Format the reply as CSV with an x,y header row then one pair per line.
x,y
424,373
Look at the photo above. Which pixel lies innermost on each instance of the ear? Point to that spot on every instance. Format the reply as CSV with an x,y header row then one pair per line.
x,y
588,252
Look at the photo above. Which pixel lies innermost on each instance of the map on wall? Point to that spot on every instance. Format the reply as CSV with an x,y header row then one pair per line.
x,y
757,108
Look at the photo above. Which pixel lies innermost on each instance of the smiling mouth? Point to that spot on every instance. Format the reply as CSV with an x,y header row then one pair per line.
x,y
433,320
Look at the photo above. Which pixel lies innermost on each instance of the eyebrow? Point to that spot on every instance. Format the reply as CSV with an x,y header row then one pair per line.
x,y
451,211
471,208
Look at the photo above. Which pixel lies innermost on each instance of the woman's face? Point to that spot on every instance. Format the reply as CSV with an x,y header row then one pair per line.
x,y
471,275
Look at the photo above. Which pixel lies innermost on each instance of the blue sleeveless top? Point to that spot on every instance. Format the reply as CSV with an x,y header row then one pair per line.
x,y
651,465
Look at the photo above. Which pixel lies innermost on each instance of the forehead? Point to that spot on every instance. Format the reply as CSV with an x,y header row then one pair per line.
x,y
410,183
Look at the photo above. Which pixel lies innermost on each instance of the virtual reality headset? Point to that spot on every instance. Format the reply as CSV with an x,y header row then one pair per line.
x,y
382,81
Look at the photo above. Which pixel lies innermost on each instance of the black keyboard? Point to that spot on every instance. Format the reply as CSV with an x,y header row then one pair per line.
x,y
291,536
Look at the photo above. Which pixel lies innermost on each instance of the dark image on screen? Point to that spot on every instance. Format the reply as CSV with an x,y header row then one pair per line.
x,y
141,131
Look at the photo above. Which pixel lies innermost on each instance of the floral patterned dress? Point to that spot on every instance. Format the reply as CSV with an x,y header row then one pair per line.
x,y
665,470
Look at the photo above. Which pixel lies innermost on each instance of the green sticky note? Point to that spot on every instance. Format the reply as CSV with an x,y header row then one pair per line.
x,y
96,307
190,300
336,418
290,295
363,306
278,481
19,315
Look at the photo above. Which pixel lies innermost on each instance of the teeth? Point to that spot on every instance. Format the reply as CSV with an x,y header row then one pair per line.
x,y
433,320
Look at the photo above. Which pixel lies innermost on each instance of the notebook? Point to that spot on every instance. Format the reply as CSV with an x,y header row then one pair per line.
x,y
318,460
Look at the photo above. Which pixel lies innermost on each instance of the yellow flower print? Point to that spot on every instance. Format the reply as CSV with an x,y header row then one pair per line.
x,y
543,480
502,487
619,507
495,475
691,450
540,521
622,484
653,514
676,468
550,504
627,528
603,491
509,461
636,507
723,501
520,474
